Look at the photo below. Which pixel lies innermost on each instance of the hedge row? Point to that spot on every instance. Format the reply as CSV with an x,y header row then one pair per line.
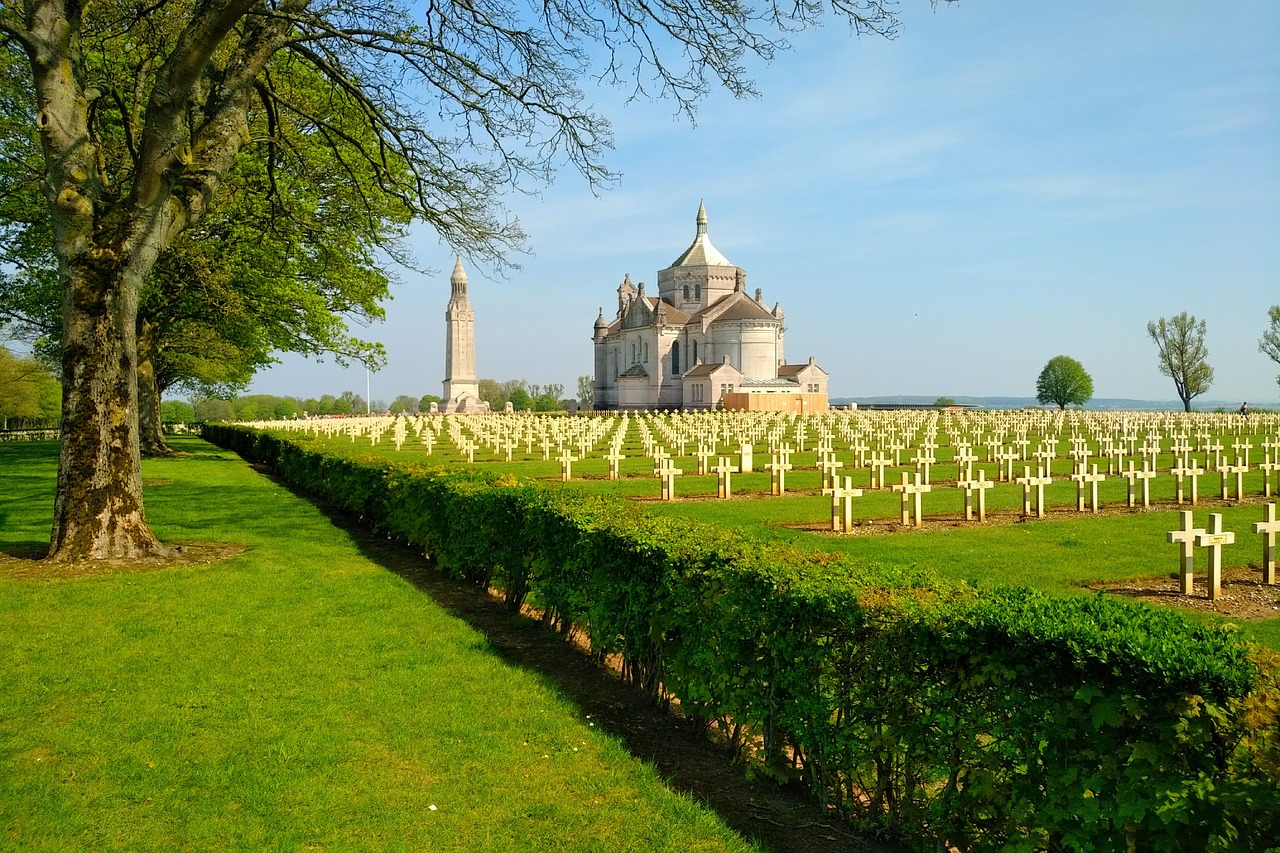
x,y
1004,719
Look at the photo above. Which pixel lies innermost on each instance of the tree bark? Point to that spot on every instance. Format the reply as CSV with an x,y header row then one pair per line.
x,y
151,439
98,511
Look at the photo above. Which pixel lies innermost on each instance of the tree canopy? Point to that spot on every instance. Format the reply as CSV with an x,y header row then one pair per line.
x,y
1183,355
1063,382
1269,343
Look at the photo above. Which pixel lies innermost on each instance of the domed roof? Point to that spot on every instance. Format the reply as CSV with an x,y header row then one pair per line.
x,y
702,253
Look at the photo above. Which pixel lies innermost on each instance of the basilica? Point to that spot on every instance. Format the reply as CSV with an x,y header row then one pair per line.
x,y
700,343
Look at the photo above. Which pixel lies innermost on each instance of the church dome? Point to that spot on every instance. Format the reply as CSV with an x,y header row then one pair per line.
x,y
702,253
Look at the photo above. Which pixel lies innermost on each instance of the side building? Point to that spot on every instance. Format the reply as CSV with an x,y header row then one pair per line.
x,y
700,343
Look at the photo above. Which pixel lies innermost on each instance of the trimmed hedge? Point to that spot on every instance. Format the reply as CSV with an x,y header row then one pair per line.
x,y
1005,719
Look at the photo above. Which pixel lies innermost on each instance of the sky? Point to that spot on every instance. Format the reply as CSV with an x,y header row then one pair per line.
x,y
938,214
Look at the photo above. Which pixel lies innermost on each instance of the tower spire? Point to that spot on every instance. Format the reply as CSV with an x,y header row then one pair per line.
x,y
702,217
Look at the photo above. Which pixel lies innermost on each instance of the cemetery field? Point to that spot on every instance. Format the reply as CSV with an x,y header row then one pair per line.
x,y
1070,550
294,695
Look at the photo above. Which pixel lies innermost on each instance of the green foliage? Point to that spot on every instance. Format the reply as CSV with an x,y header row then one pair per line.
x,y
1269,343
1005,718
177,412
943,402
1064,380
30,396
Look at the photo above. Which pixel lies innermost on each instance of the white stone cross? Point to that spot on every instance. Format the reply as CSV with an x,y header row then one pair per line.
x,y
1185,539
1038,482
964,459
842,504
1093,478
829,465
1145,475
668,475
1267,468
980,486
566,461
779,465
1268,527
1213,539
614,456
877,462
722,472
1239,470
1242,445
911,493
704,453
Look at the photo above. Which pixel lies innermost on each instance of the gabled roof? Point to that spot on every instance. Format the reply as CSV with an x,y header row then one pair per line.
x,y
797,369
735,306
634,371
710,369
701,253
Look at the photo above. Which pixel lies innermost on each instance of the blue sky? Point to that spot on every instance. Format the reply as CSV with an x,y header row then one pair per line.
x,y
938,214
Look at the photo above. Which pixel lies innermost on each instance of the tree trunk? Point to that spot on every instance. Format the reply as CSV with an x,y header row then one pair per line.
x,y
98,511
150,429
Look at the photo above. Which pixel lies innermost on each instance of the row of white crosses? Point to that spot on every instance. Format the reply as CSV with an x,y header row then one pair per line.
x,y
1189,537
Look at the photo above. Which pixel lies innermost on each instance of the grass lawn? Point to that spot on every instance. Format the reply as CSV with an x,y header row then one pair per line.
x,y
294,697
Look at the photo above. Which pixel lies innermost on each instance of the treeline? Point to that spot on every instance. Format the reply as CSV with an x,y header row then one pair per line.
x,y
30,393
522,395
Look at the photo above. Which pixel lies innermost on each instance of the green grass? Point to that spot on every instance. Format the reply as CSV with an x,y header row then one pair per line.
x,y
295,697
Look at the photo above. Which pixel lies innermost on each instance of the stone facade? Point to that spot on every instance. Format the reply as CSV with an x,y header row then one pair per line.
x,y
461,387
700,343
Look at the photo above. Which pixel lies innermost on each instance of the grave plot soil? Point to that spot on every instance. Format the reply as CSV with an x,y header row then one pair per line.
x,y
1244,595
28,564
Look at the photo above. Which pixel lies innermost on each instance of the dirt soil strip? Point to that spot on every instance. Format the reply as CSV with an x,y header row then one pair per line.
x,y
783,820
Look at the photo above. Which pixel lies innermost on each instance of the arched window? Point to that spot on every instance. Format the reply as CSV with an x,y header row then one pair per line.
x,y
686,293
675,357
694,358
697,291
634,359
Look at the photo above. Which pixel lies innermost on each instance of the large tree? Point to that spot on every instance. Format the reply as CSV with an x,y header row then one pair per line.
x,y
1269,343
143,111
1183,357
1064,381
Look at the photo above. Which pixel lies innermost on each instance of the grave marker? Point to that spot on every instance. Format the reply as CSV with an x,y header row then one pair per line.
x,y
1185,539
1213,539
1268,527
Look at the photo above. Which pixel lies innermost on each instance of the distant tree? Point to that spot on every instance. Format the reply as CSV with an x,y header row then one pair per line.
x,y
285,407
586,391
354,404
1183,355
403,404
545,402
555,389
1064,380
29,394
214,409
519,400
177,412
943,402
1269,343
424,405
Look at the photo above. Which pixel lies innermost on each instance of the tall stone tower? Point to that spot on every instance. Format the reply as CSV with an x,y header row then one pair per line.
x,y
461,389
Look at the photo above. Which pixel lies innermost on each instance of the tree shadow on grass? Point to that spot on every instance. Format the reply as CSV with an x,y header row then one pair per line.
x,y
784,820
